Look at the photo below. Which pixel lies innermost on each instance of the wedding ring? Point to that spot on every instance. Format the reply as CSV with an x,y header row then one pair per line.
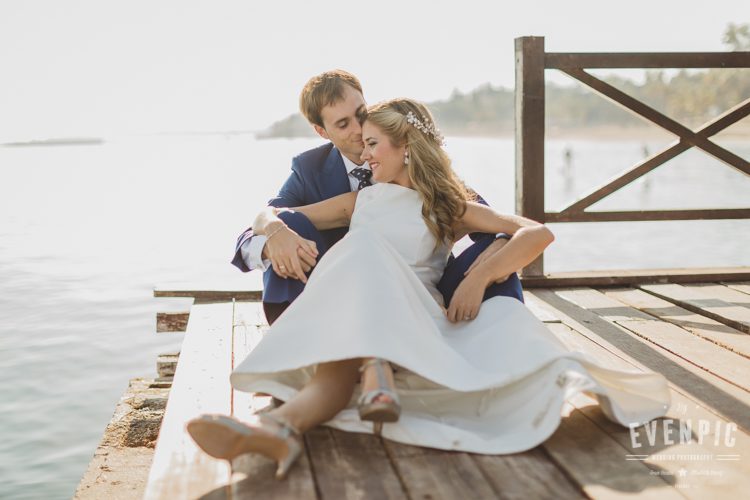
x,y
282,267
467,318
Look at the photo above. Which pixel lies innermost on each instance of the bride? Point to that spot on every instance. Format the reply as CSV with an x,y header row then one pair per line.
x,y
449,376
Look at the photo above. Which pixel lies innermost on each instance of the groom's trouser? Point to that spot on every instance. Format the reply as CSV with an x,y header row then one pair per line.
x,y
278,292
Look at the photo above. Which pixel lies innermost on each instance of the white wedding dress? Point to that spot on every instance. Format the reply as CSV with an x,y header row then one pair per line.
x,y
492,385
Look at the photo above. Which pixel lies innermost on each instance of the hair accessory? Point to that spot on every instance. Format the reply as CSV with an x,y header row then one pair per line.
x,y
426,127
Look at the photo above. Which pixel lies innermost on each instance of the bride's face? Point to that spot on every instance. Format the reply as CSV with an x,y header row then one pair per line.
x,y
385,159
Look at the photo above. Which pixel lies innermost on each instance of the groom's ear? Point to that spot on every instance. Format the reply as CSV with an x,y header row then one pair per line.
x,y
321,132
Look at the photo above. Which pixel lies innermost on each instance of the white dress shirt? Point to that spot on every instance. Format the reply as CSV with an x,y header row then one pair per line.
x,y
252,250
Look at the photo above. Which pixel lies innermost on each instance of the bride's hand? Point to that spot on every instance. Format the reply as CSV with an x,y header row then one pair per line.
x,y
467,299
291,255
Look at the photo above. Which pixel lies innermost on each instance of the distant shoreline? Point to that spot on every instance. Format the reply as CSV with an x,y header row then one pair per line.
x,y
72,141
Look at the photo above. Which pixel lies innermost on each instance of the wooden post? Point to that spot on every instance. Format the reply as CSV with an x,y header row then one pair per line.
x,y
530,135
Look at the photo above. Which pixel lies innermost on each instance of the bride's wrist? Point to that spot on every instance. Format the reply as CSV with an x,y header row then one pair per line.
x,y
274,228
480,277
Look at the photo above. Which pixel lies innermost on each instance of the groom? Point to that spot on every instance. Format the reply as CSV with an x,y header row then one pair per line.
x,y
333,104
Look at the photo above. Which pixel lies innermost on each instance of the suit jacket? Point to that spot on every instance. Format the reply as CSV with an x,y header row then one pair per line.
x,y
317,174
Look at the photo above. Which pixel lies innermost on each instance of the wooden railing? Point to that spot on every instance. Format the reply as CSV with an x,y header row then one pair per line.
x,y
531,63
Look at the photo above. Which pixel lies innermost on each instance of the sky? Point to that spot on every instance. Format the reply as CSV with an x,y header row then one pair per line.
x,y
104,67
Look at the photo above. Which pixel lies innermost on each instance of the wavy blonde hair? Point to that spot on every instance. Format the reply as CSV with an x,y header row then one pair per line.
x,y
444,195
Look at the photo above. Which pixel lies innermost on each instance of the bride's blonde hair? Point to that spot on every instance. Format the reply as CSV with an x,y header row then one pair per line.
x,y
444,195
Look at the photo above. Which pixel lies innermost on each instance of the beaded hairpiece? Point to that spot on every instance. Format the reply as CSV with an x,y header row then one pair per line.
x,y
426,127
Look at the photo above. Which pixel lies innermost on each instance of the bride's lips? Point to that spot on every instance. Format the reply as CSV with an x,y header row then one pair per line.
x,y
373,166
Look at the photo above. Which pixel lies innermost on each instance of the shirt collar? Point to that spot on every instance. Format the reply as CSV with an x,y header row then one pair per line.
x,y
350,165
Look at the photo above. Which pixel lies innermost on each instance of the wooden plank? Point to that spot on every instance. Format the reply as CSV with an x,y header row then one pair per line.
x,y
704,327
166,364
563,60
530,474
172,321
529,117
201,385
596,462
351,465
649,215
743,287
210,294
702,303
537,309
254,475
722,292
437,474
670,460
723,363
725,399
620,277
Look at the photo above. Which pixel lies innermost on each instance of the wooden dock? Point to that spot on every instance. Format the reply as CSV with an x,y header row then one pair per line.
x,y
696,335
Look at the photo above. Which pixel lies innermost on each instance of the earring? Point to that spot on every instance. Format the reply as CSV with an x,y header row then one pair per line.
x,y
406,157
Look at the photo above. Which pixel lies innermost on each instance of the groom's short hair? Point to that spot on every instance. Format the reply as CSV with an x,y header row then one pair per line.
x,y
323,90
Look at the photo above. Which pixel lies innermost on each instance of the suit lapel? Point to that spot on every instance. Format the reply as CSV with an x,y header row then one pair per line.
x,y
336,179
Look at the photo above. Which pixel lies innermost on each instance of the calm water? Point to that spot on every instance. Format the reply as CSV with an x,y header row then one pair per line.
x,y
87,231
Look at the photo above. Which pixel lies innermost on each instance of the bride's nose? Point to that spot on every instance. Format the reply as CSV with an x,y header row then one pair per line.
x,y
365,155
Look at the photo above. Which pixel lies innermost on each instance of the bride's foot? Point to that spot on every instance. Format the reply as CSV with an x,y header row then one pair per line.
x,y
226,437
379,401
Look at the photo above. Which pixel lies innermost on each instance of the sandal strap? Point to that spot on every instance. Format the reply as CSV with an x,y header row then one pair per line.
x,y
368,397
286,429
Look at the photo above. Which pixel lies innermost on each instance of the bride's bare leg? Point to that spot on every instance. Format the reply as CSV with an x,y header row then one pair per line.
x,y
327,393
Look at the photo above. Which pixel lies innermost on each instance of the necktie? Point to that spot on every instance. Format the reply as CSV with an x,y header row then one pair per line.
x,y
363,176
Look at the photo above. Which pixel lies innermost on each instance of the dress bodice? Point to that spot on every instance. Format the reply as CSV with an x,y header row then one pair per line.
x,y
394,213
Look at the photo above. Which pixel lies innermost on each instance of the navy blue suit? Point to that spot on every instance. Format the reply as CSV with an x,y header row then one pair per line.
x,y
320,174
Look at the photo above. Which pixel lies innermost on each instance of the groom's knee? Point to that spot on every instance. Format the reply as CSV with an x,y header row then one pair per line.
x,y
454,274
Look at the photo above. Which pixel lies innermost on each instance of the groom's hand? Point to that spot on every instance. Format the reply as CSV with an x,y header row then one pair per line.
x,y
291,255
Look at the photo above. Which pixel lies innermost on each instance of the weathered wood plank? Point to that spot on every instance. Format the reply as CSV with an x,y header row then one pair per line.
x,y
537,309
722,292
529,117
597,463
634,277
723,363
725,399
649,215
703,303
437,474
166,364
351,465
563,60
209,294
531,474
172,321
675,460
201,385
704,327
253,476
